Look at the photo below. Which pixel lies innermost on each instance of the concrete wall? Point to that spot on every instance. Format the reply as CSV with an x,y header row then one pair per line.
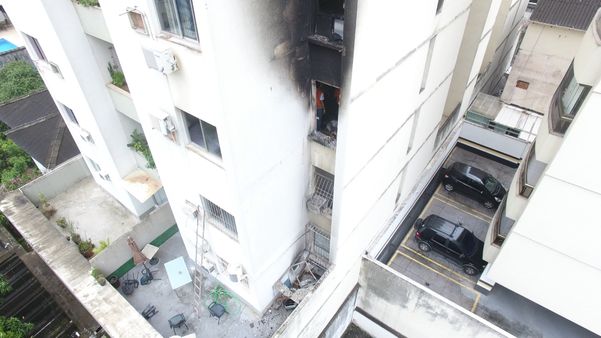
x,y
342,319
57,180
19,54
111,258
413,310
511,146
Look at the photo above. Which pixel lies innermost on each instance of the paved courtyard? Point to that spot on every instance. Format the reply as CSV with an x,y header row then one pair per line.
x,y
241,321
95,214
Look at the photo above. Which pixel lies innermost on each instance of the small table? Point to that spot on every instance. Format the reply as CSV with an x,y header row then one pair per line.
x,y
177,272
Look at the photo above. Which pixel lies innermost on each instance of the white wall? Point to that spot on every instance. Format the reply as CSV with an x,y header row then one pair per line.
x,y
262,123
561,272
81,86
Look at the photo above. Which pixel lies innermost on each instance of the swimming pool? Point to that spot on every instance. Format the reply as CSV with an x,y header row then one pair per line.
x,y
6,45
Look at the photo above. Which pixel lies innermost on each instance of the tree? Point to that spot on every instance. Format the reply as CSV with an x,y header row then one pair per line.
x,y
17,79
16,167
13,328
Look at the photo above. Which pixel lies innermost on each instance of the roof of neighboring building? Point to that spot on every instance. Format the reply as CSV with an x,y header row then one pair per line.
x,y
37,127
576,14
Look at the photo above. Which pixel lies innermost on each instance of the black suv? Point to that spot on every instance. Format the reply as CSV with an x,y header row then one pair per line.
x,y
474,183
452,240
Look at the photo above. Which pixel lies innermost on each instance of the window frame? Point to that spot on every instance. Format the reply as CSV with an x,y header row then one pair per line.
x,y
177,23
69,113
201,123
36,47
220,218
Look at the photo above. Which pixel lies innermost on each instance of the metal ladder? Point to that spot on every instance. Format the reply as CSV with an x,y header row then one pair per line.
x,y
197,281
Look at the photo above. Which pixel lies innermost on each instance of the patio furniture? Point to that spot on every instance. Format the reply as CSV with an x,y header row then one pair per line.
x,y
129,285
149,311
217,310
177,272
177,321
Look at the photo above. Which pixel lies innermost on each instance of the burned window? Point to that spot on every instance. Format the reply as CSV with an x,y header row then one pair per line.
x,y
327,104
329,19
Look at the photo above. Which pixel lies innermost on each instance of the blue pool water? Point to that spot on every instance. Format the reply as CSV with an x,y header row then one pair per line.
x,y
6,45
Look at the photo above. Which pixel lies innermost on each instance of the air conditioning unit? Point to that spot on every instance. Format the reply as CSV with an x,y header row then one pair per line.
x,y
191,209
316,203
167,126
104,175
236,273
163,61
85,135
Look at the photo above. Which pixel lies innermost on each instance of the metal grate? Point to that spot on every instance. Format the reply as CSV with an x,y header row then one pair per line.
x,y
220,217
324,186
318,243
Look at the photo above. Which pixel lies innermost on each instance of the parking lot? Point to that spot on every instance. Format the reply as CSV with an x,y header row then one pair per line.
x,y
433,269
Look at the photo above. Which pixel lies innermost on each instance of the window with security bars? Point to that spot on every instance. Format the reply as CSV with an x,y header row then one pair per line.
x,y
324,187
220,217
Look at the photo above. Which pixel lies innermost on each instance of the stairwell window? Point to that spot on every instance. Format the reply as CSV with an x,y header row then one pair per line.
x,y
177,18
202,134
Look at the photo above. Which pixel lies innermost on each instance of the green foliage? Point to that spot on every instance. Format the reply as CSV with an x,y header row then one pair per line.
x,y
13,328
117,76
16,167
64,223
87,3
86,248
98,276
5,287
101,246
220,295
17,79
140,145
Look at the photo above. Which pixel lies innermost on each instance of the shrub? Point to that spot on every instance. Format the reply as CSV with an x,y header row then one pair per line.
x,y
117,76
89,3
5,287
14,328
17,79
101,246
86,248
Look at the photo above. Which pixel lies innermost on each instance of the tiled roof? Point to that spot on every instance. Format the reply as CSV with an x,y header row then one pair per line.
x,y
576,14
37,127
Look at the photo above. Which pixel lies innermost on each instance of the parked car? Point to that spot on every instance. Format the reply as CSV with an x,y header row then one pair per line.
x,y
474,183
451,240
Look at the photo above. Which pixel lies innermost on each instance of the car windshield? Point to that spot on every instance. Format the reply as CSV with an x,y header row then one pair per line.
x,y
491,184
468,242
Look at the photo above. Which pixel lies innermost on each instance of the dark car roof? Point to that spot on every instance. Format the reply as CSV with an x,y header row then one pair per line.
x,y
465,169
443,225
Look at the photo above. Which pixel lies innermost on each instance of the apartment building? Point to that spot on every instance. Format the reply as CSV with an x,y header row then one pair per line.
x,y
276,127
550,254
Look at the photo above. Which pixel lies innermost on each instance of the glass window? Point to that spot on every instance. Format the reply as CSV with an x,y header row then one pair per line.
x,y
70,114
36,47
570,96
203,134
490,184
177,17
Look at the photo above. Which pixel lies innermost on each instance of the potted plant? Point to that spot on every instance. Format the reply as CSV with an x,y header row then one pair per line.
x,y
99,276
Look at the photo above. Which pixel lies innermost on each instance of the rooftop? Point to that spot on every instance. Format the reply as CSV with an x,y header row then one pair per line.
x,y
576,14
37,127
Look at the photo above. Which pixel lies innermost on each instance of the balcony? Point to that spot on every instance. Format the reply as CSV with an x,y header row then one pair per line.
x,y
123,102
92,21
530,172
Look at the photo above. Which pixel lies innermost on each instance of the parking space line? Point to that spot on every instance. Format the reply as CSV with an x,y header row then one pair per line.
x,y
476,302
487,220
437,272
393,257
476,293
436,263
451,201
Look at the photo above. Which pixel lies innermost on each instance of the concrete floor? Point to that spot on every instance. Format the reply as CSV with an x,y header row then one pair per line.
x,y
502,307
95,214
242,321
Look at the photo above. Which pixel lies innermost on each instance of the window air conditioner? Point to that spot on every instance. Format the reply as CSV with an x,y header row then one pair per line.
x,y
163,61
191,209
166,126
316,203
236,273
85,135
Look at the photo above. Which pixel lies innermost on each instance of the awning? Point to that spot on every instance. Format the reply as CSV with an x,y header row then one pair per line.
x,y
141,185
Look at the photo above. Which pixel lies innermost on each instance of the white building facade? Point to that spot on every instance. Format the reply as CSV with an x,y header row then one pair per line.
x,y
284,125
